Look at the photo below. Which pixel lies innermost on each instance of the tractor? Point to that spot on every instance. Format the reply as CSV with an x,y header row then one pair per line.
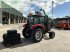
x,y
37,25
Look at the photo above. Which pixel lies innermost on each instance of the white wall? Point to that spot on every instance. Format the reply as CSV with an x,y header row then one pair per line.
x,y
0,13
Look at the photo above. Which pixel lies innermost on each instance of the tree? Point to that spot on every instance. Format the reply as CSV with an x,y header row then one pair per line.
x,y
67,17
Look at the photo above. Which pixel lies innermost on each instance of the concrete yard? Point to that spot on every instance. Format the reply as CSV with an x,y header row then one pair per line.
x,y
61,42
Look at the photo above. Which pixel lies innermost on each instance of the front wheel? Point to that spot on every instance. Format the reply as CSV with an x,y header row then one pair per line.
x,y
37,35
51,35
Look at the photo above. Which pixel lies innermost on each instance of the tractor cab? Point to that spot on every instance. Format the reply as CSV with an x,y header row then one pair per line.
x,y
35,19
39,21
36,26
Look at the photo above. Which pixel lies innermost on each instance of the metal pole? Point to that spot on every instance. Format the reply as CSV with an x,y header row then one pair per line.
x,y
52,8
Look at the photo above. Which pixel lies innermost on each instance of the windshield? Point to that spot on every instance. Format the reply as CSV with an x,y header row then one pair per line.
x,y
30,19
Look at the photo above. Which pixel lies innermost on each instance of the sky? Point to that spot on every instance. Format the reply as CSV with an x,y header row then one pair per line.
x,y
61,8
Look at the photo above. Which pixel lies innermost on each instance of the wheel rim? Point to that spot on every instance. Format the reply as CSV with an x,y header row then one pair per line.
x,y
38,35
27,33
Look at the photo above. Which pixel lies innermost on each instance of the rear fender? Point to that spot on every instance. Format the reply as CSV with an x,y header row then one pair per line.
x,y
38,26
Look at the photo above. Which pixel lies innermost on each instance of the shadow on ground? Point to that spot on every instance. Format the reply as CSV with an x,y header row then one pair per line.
x,y
25,42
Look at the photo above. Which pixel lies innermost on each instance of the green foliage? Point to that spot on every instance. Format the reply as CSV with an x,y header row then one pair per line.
x,y
67,17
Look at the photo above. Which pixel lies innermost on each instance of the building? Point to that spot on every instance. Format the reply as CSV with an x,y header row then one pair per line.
x,y
9,15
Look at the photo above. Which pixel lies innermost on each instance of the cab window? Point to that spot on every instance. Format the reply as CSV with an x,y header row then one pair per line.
x,y
41,19
36,20
30,20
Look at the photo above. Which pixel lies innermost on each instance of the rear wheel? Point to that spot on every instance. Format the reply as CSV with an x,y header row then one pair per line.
x,y
25,34
37,35
51,35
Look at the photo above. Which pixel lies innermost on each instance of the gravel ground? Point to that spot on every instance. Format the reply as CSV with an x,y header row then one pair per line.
x,y
61,43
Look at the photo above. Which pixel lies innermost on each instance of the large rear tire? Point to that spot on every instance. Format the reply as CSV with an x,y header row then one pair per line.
x,y
37,35
25,34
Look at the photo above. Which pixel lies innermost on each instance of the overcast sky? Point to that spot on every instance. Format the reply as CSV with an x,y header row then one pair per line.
x,y
61,7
